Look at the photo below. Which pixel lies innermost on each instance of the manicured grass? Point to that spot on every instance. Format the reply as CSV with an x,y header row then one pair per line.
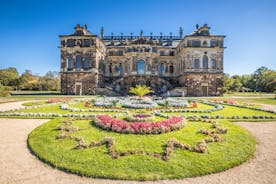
x,y
237,147
271,101
229,111
34,103
247,94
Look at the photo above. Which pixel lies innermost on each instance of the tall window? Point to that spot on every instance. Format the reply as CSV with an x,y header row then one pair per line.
x,y
141,66
213,63
196,63
70,62
78,61
110,68
120,69
162,53
86,63
205,62
161,69
171,68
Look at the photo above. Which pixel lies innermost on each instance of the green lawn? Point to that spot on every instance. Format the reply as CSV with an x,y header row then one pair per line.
x,y
229,111
35,103
237,147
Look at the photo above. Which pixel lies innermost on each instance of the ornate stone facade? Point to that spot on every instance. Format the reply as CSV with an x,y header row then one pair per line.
x,y
193,64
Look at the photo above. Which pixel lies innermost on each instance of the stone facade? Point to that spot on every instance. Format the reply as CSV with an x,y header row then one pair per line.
x,y
193,64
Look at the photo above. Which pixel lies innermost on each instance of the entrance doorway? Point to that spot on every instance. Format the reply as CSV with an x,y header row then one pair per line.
x,y
205,90
78,88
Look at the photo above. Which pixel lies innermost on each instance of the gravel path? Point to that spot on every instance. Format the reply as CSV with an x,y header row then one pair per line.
x,y
269,107
19,166
12,105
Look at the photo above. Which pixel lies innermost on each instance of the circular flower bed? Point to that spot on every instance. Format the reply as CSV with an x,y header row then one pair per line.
x,y
106,122
139,104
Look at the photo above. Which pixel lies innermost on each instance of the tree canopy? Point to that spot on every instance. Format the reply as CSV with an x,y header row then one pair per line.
x,y
263,79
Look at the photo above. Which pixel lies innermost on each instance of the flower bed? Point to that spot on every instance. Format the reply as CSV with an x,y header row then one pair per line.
x,y
139,104
111,124
55,100
173,102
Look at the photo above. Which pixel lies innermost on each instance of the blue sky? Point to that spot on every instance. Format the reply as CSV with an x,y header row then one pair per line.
x,y
29,29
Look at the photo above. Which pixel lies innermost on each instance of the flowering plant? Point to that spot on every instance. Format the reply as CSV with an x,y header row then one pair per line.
x,y
106,122
55,100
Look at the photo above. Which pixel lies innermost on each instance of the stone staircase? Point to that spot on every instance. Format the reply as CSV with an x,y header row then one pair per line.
x,y
107,90
177,92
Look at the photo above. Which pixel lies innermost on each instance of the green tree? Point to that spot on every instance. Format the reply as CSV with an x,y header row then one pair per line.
x,y
50,81
28,81
140,90
236,85
228,82
9,77
263,79
4,90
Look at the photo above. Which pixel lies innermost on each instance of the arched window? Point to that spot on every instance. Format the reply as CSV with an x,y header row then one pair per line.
x,y
213,63
141,66
120,68
161,69
86,63
70,63
171,68
78,61
196,63
205,62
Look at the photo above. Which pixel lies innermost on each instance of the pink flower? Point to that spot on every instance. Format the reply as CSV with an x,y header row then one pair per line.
x,y
108,123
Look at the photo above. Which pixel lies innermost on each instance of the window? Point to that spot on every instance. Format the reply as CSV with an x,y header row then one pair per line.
x,y
171,68
162,53
213,64
171,53
205,62
161,69
86,43
120,53
196,43
154,49
110,68
141,66
70,43
120,69
78,61
129,49
70,63
220,43
213,43
196,63
86,63
205,43
189,43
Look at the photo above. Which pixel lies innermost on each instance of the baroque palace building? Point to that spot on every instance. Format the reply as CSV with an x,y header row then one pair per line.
x,y
190,65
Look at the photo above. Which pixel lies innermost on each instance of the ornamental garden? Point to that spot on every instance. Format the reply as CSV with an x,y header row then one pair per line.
x,y
141,138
